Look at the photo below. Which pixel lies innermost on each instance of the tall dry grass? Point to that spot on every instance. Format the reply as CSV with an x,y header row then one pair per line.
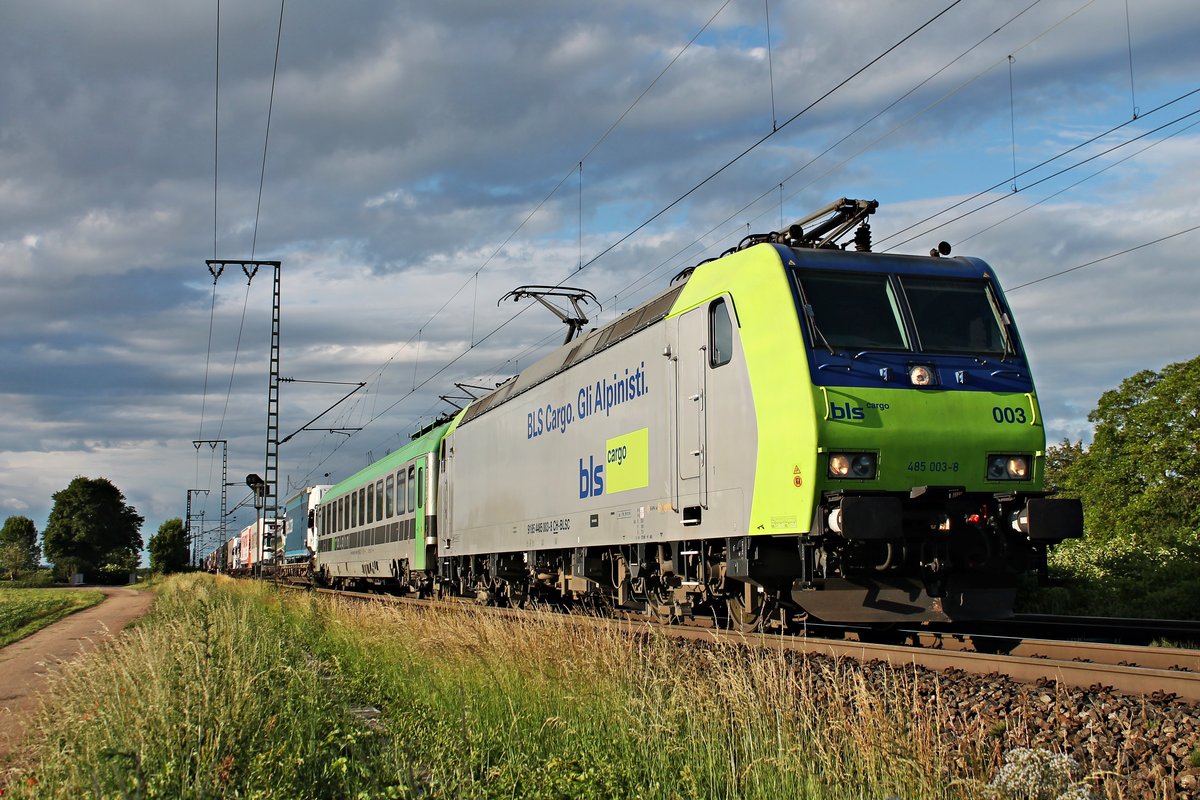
x,y
231,690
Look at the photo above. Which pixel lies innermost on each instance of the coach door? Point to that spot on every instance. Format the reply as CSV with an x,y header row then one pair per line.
x,y
688,359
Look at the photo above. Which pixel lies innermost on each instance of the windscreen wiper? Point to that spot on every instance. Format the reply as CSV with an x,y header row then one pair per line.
x,y
812,323
1010,347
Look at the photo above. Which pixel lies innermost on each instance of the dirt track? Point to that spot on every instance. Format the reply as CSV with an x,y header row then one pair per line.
x,y
23,664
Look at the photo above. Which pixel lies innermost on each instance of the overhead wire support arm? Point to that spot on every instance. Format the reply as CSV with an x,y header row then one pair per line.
x,y
249,267
576,297
212,443
467,394
344,431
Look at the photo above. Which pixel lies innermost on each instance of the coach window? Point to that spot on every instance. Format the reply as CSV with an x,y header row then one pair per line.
x,y
362,506
370,508
344,513
412,488
400,492
421,487
379,501
390,496
720,334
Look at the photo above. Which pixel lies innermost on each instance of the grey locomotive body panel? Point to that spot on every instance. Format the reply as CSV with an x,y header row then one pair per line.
x,y
604,452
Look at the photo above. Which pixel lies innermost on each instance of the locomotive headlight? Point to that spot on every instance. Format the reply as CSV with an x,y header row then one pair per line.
x,y
863,466
1018,468
1008,468
920,376
856,466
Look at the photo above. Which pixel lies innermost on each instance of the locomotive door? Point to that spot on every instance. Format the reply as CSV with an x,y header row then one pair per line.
x,y
690,422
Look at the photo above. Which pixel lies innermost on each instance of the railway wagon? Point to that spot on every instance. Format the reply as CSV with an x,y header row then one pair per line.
x,y
792,429
250,547
300,533
378,527
233,554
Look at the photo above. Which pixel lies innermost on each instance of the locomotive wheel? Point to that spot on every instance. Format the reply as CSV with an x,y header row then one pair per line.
x,y
661,606
745,611
516,594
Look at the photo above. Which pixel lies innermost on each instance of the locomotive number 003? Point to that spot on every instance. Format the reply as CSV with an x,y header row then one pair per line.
x,y
1009,415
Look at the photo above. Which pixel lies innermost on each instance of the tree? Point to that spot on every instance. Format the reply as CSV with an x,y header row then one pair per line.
x,y
91,527
169,547
19,550
1139,482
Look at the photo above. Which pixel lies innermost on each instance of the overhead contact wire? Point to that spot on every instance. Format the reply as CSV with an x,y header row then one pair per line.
x,y
267,136
559,185
383,367
1025,172
1052,175
768,136
1105,258
695,188
1068,188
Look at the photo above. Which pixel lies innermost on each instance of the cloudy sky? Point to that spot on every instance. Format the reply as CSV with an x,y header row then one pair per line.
x,y
425,158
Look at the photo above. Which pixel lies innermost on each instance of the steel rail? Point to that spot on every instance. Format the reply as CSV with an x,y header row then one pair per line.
x,y
1161,672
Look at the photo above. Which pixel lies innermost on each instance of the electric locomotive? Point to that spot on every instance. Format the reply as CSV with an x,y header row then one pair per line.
x,y
299,543
791,429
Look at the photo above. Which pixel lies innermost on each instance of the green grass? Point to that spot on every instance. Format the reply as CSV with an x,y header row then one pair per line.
x,y
233,690
24,611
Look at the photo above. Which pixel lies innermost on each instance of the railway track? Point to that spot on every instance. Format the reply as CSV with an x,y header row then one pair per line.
x,y
1162,673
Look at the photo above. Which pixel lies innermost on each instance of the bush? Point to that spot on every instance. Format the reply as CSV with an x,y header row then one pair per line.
x,y
38,579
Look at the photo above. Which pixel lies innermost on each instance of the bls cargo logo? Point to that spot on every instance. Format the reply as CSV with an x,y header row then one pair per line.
x,y
625,465
854,413
846,411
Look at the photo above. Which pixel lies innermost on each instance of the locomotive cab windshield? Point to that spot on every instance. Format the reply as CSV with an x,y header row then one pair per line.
x,y
898,313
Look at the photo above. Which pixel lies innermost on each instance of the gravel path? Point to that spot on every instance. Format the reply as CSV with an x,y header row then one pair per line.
x,y
23,664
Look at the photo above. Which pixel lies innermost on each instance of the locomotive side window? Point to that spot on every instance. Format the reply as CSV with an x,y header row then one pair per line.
x,y
720,334
954,316
421,487
852,311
